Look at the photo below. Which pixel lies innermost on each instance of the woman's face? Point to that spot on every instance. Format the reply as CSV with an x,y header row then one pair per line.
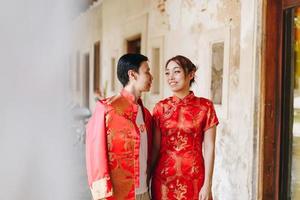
x,y
176,78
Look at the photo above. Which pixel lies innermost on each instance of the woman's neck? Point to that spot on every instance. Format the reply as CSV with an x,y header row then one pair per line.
x,y
181,94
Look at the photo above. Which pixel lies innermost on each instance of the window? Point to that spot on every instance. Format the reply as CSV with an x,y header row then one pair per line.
x,y
155,66
134,45
86,80
113,74
77,75
97,66
217,72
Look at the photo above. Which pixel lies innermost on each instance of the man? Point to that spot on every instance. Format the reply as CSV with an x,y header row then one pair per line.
x,y
118,140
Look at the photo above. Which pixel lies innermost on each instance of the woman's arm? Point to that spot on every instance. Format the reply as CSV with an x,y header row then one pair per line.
x,y
156,146
209,157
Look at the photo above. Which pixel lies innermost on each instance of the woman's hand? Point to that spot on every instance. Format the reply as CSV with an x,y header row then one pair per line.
x,y
205,192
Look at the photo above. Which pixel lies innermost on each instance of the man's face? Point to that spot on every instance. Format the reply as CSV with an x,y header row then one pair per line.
x,y
143,78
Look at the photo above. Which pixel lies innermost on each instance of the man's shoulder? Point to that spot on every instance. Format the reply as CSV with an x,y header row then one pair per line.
x,y
106,103
114,102
100,107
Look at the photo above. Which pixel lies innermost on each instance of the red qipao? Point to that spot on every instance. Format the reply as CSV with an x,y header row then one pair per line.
x,y
112,147
179,172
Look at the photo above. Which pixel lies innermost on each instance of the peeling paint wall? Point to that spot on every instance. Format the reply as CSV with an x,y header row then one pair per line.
x,y
184,27
87,30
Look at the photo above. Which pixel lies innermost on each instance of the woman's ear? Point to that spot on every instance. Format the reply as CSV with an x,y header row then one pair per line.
x,y
192,75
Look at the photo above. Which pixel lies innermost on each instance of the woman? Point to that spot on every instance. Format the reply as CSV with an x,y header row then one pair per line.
x,y
184,124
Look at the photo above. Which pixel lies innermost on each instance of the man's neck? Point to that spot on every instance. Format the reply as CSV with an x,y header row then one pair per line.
x,y
133,91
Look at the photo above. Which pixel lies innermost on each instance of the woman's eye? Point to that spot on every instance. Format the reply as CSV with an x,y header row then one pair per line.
x,y
177,72
167,73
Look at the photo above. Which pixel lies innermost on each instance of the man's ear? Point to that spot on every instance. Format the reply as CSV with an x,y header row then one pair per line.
x,y
131,75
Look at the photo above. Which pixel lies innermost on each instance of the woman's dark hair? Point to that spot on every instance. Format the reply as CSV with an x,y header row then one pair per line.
x,y
130,61
185,63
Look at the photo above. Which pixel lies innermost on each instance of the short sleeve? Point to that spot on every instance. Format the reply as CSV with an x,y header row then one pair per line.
x,y
211,117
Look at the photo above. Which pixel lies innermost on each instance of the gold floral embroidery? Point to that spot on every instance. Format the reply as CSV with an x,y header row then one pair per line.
x,y
195,169
122,181
180,191
181,142
129,145
180,169
164,192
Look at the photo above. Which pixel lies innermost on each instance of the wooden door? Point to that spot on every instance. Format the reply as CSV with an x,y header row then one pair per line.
x,y
277,104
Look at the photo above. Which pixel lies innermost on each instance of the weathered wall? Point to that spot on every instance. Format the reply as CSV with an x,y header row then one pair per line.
x,y
188,27
87,30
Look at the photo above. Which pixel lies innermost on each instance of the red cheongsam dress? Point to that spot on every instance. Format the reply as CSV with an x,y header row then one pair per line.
x,y
179,171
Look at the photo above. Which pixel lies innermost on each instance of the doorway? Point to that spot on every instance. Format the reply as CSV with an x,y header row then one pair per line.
x,y
290,133
134,45
280,138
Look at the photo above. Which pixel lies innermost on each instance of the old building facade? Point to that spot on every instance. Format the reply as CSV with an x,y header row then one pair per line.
x,y
228,41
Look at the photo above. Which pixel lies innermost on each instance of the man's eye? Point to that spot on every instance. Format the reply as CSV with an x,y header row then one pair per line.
x,y
167,73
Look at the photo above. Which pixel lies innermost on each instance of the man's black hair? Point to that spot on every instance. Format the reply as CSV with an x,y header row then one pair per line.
x,y
130,61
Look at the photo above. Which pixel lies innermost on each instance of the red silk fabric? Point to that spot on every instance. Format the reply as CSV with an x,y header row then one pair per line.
x,y
112,146
179,172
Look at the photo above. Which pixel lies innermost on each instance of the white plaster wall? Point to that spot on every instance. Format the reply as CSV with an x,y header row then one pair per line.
x,y
112,41
87,30
183,27
121,20
190,23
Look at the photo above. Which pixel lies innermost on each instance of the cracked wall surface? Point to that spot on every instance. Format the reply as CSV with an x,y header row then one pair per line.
x,y
185,27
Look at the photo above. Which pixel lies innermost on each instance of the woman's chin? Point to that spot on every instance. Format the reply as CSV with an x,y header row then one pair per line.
x,y
174,89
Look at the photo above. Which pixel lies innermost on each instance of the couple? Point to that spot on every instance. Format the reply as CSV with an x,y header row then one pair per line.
x,y
126,146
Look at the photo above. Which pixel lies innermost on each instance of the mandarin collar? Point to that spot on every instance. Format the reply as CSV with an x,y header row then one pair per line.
x,y
130,97
187,98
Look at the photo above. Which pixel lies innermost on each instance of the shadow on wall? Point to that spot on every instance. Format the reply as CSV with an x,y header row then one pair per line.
x,y
39,158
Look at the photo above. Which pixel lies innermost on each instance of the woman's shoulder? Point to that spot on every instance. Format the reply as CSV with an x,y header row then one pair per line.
x,y
202,102
164,101
160,105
